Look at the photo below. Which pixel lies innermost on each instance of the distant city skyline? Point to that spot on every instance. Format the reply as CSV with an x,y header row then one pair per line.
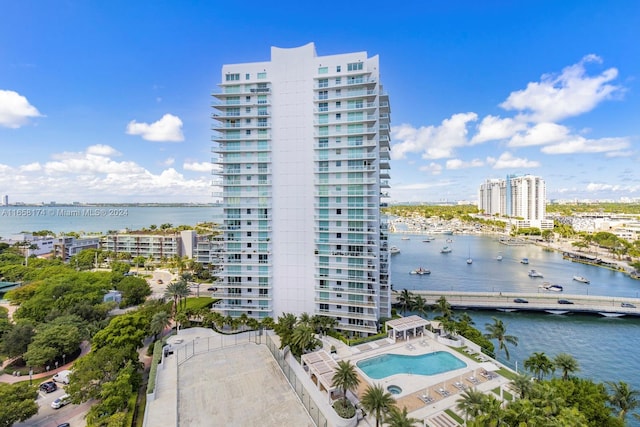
x,y
97,105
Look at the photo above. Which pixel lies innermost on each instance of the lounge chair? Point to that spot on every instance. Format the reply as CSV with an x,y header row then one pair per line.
x,y
426,399
459,385
473,380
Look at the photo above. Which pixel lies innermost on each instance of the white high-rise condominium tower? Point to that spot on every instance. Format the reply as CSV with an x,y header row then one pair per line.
x,y
302,145
521,196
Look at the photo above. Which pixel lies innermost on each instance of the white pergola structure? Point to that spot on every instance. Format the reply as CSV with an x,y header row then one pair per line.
x,y
321,366
400,327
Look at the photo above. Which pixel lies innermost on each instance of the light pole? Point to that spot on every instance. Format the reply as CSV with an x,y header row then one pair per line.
x,y
30,375
64,358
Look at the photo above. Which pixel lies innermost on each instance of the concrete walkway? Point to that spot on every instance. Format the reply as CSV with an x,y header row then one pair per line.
x,y
85,347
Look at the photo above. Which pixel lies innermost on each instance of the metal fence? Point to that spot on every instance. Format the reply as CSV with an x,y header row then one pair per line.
x,y
212,343
305,397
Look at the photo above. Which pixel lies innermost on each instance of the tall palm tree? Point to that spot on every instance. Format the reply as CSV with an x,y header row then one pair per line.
x,y
303,339
539,365
567,364
498,331
623,398
345,377
377,401
470,403
523,385
159,322
400,418
405,300
176,291
443,306
420,306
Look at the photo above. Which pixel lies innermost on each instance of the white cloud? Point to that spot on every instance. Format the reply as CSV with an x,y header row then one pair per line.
x,y
168,161
495,128
434,142
31,167
540,134
568,94
432,168
87,176
507,161
103,150
167,129
579,144
197,167
460,164
15,109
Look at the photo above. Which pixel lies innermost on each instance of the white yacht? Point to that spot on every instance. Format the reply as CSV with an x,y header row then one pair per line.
x,y
581,279
394,250
534,274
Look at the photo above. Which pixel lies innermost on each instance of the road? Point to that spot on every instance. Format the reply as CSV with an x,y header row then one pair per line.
x,y
49,417
542,301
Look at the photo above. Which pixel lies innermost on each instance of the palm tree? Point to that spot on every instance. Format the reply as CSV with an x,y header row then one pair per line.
x,y
567,364
345,377
303,339
400,418
539,365
377,401
159,322
498,330
420,306
523,385
176,291
443,306
405,299
623,397
470,403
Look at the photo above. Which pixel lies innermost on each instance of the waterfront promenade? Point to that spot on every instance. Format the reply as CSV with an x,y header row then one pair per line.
x,y
543,301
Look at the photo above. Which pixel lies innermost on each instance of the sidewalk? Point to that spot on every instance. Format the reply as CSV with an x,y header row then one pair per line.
x,y
85,347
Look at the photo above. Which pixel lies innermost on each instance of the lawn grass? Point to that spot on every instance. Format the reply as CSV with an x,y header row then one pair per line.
x,y
196,303
455,416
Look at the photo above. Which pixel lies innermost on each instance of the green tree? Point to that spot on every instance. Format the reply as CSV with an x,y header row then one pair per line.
x,y
443,306
539,365
400,418
420,306
345,377
623,398
377,401
17,339
470,403
134,290
159,322
18,403
523,385
51,342
405,300
303,339
498,331
114,395
127,330
284,328
177,291
567,364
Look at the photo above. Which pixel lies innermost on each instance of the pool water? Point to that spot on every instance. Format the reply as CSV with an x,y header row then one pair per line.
x,y
386,365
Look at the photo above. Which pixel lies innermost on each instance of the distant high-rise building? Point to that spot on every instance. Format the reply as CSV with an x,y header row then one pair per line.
x,y
522,196
5,200
303,148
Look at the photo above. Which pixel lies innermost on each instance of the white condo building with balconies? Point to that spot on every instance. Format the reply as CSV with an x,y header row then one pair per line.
x,y
302,143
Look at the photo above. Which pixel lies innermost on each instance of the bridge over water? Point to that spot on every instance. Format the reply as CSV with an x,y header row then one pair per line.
x,y
542,302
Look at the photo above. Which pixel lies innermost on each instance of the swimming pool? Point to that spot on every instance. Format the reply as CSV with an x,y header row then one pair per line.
x,y
386,365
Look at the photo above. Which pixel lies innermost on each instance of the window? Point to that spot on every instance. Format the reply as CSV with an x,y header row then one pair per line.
x,y
323,94
323,83
338,80
247,98
247,76
338,163
248,131
338,116
232,77
338,105
323,70
247,121
262,75
262,99
338,68
247,110
338,211
338,235
323,106
339,282
354,66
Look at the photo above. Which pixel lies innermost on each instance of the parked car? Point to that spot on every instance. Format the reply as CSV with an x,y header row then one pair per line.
x,y
62,376
520,300
61,401
159,281
48,387
64,425
212,289
627,305
564,301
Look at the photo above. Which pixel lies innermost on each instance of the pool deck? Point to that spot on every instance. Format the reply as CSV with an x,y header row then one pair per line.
x,y
424,396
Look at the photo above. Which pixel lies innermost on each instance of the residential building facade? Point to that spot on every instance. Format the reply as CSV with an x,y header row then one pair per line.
x,y
517,196
303,151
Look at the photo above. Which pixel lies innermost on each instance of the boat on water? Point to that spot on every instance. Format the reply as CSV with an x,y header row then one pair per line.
x,y
421,271
428,239
524,261
549,287
499,258
405,238
469,260
581,279
445,250
534,274
558,312
449,240
394,250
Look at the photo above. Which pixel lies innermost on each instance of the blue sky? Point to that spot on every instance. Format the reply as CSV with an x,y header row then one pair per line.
x,y
110,101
